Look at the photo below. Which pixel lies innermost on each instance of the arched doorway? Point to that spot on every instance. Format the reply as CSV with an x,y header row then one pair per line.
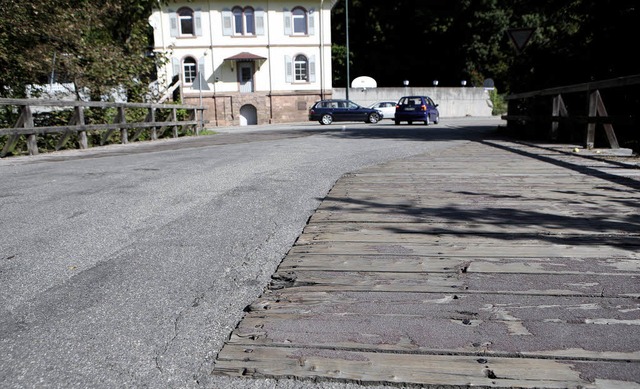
x,y
248,115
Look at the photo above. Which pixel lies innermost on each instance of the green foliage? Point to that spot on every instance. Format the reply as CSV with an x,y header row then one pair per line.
x,y
97,45
339,60
574,41
498,103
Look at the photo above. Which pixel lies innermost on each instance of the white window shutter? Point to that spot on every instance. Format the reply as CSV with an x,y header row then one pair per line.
x,y
288,69
312,69
176,66
287,22
198,22
312,23
173,23
259,14
227,22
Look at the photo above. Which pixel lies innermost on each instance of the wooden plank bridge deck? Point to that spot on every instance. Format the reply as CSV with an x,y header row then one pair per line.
x,y
493,264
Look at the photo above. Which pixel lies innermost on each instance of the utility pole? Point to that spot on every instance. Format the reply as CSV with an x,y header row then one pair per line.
x,y
346,12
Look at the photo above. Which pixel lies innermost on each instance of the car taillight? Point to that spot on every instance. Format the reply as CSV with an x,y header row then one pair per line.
x,y
423,107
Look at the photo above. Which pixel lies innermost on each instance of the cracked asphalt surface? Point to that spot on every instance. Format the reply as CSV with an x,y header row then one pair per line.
x,y
130,265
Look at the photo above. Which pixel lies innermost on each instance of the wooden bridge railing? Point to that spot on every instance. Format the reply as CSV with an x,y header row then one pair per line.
x,y
159,118
580,104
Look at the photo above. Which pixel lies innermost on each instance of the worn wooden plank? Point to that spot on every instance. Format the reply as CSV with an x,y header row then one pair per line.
x,y
474,247
611,285
391,368
602,230
464,324
448,264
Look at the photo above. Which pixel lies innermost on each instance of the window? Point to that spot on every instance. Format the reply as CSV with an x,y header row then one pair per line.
x,y
301,68
299,21
244,21
185,19
186,23
189,67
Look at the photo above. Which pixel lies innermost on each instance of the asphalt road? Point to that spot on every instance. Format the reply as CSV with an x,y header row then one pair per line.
x,y
130,265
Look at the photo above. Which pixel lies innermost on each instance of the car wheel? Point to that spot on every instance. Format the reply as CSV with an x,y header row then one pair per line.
x,y
373,118
326,119
437,120
397,122
409,122
427,122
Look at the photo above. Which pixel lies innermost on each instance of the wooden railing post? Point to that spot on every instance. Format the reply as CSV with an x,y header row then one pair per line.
x,y
82,134
152,119
32,141
559,110
174,118
124,134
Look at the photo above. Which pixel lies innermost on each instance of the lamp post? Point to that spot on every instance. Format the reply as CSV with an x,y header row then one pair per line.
x,y
463,83
346,13
435,82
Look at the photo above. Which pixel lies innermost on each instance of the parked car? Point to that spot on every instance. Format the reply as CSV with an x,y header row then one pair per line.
x,y
417,109
388,108
336,110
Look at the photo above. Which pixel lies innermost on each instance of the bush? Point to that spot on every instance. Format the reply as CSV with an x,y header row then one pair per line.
x,y
498,103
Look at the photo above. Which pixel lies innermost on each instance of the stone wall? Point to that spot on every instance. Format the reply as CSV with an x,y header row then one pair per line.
x,y
452,102
224,109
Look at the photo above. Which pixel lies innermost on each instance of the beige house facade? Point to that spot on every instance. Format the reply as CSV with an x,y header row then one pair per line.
x,y
246,63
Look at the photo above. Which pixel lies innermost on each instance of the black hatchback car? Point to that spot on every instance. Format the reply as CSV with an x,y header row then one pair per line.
x,y
417,109
336,110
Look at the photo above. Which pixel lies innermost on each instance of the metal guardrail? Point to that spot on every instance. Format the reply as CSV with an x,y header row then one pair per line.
x,y
548,106
159,118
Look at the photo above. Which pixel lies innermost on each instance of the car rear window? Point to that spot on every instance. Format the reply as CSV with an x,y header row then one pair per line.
x,y
411,101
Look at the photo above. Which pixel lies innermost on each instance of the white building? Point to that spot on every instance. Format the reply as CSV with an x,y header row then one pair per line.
x,y
247,63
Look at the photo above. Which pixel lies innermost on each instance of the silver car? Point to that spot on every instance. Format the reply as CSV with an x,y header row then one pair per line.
x,y
388,108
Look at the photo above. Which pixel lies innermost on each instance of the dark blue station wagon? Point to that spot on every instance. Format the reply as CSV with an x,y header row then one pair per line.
x,y
336,110
417,109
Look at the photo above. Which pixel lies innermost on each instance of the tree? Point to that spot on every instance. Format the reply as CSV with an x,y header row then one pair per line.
x,y
97,45
573,41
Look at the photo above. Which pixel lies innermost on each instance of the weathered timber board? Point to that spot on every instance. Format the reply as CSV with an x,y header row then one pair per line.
x,y
609,285
466,324
460,246
448,264
599,231
392,368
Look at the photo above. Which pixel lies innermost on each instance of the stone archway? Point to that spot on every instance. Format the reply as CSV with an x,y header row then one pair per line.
x,y
248,115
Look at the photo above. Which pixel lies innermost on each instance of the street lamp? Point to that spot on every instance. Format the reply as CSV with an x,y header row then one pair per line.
x,y
405,83
435,82
463,83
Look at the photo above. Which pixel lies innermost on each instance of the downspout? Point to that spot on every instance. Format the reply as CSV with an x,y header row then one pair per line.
x,y
163,44
346,16
270,61
213,66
